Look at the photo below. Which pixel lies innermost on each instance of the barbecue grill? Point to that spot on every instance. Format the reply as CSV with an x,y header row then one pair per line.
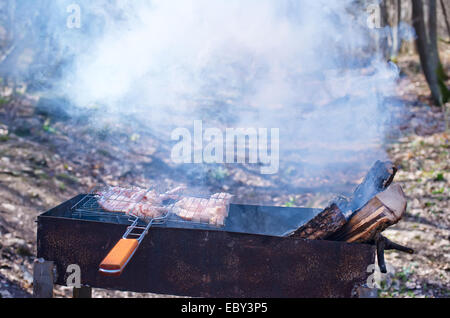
x,y
118,258
251,256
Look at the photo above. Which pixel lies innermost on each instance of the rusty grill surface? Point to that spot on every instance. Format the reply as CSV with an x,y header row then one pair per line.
x,y
246,258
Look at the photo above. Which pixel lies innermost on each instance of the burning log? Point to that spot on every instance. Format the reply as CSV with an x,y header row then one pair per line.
x,y
378,179
374,206
367,224
335,217
377,206
323,225
382,211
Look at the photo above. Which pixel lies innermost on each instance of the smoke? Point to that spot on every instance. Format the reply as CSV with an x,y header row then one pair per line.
x,y
306,67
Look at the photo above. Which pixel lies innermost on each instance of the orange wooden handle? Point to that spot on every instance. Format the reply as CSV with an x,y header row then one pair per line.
x,y
118,258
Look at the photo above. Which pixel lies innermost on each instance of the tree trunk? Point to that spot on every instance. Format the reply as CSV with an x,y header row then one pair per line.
x,y
444,11
397,45
384,35
426,29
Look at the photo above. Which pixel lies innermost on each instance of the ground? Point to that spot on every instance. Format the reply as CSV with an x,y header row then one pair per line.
x,y
424,176
45,160
422,154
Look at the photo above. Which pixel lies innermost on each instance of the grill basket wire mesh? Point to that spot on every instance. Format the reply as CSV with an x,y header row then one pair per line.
x,y
89,208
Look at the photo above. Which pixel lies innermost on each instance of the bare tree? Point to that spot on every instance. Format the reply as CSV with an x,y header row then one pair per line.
x,y
398,44
425,23
384,37
444,11
396,36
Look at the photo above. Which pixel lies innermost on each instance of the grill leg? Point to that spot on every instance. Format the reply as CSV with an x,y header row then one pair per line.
x,y
365,292
43,279
83,292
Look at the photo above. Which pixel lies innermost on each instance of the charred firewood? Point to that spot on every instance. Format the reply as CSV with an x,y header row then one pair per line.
x,y
323,225
382,211
367,224
335,217
374,206
378,179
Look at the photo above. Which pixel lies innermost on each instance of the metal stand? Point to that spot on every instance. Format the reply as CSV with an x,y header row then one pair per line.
x,y
83,292
43,279
366,292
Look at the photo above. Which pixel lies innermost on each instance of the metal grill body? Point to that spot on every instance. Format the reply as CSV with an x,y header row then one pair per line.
x,y
239,260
